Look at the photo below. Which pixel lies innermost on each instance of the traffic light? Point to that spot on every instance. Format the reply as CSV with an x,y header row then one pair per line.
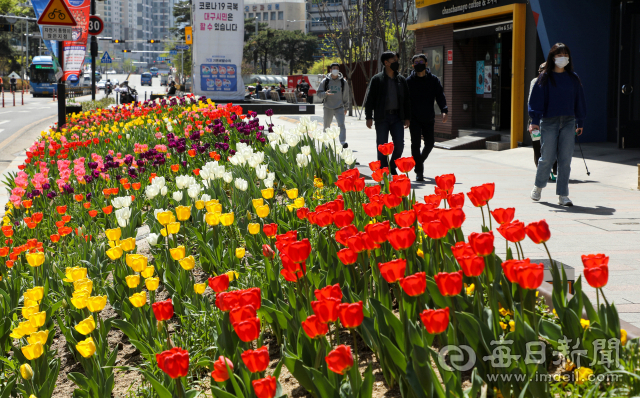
x,y
126,51
153,41
118,41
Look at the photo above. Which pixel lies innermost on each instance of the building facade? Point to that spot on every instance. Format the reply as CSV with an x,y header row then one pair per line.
x,y
279,14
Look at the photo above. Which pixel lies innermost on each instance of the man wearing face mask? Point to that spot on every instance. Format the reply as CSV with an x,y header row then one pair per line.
x,y
334,91
424,89
388,104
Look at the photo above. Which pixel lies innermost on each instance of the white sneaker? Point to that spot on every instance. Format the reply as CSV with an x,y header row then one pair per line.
x,y
536,193
564,201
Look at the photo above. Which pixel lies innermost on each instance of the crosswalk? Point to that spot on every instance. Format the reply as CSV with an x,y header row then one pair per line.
x,y
4,121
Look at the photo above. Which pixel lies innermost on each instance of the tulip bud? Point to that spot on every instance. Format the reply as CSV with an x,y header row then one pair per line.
x,y
267,251
26,371
160,327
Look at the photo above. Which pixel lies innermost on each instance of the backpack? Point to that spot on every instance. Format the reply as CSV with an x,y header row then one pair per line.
x,y
326,86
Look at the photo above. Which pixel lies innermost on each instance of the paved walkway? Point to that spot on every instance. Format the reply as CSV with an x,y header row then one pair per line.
x,y
605,217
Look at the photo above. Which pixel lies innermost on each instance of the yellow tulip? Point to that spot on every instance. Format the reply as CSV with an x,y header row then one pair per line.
x,y
232,275
177,253
147,272
73,274
298,203
28,311
188,263
152,283
585,323
138,299
470,289
86,326
582,375
35,259
623,337
173,227
292,193
199,287
290,208
80,301
420,253
114,243
164,217
512,325
257,202
32,351
137,262
212,218
83,285
30,303
86,348
262,211
113,234
132,281
26,371
96,303
39,337
254,228
38,319
199,204
213,206
240,252
267,193
128,244
34,294
183,212
23,329
227,219
115,253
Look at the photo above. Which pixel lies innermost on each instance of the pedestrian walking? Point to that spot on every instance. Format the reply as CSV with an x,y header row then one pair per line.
x,y
424,89
388,104
557,107
334,93
258,87
535,134
13,83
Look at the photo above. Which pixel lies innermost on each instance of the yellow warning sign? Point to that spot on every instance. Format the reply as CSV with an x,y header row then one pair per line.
x,y
57,13
188,38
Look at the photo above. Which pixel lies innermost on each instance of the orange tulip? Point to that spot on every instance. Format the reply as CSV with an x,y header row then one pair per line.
x,y
191,152
59,224
126,186
86,205
9,264
4,251
136,186
37,217
31,225
64,231
114,191
106,191
107,209
124,181
27,204
175,168
78,197
66,218
55,238
7,230
93,213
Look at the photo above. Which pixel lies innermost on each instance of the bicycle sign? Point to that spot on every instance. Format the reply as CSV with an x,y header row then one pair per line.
x,y
57,13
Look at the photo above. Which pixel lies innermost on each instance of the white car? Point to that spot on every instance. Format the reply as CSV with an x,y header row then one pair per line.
x,y
101,84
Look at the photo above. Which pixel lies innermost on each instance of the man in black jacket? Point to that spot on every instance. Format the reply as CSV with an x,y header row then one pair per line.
x,y
389,106
424,88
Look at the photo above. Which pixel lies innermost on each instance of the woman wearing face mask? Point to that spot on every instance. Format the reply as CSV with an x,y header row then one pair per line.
x,y
557,108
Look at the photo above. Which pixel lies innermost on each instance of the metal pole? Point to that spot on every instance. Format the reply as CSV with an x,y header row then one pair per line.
x,y
181,67
94,54
27,63
61,92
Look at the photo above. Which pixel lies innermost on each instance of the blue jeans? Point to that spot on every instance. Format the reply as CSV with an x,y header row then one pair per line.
x,y
557,137
391,124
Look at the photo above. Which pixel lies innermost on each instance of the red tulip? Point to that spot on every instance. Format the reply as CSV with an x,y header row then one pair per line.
x,y
358,184
484,192
373,209
594,260
314,328
219,283
367,241
326,310
220,372
256,360
503,216
343,218
323,218
405,165
299,251
343,234
471,265
356,243
251,296
509,268
265,388
402,238
345,184
400,187
433,200
248,330
481,243
435,229
340,359
477,202
292,271
302,213
390,200
393,270
427,215
597,275
513,231
241,314
378,175
461,249
386,149
351,315
347,256
441,193
378,231
270,229
226,301
405,218
530,276
414,285
351,173
374,165
449,284
372,190
163,310
452,218
174,362
446,182
538,231
267,251
456,201
331,291
435,321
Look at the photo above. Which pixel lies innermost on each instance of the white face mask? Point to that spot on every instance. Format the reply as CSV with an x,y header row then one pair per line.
x,y
561,62
335,72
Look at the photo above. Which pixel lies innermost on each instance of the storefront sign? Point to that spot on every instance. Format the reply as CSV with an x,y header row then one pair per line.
x,y
458,7
483,30
218,35
479,77
449,57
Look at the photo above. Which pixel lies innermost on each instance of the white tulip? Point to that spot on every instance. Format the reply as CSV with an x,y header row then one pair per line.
x,y
284,148
273,144
312,126
152,239
158,182
182,182
128,136
261,172
278,130
241,184
273,137
305,120
204,174
271,176
122,222
302,159
151,191
124,213
163,191
205,197
177,196
268,183
292,139
259,157
306,150
227,177
120,202
156,212
194,191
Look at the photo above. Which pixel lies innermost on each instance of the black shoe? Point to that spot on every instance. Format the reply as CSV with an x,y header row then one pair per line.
x,y
419,179
345,145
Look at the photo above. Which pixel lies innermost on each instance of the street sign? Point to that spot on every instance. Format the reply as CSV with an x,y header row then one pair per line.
x,y
161,58
96,25
14,75
173,52
182,47
188,35
11,18
106,59
57,33
57,13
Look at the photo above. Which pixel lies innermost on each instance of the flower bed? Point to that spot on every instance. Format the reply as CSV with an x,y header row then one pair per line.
x,y
225,250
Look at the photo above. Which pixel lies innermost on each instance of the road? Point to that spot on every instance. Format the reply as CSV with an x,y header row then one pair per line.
x,y
134,81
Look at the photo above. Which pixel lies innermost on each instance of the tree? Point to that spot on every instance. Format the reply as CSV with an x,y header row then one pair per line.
x,y
263,47
297,48
250,28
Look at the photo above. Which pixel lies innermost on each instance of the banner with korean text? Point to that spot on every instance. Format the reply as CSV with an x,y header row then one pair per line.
x,y
218,40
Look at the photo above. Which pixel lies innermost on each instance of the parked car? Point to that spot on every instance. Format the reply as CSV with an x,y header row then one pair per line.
x,y
101,84
146,79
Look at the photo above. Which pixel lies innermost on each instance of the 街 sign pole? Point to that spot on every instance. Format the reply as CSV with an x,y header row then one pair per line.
x,y
61,89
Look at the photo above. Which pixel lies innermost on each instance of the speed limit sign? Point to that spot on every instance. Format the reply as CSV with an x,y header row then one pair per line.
x,y
95,25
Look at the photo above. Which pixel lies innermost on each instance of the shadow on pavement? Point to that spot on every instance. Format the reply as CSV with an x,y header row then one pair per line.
x,y
598,210
582,181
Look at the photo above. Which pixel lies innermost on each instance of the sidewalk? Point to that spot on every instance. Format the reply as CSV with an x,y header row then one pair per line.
x,y
605,217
